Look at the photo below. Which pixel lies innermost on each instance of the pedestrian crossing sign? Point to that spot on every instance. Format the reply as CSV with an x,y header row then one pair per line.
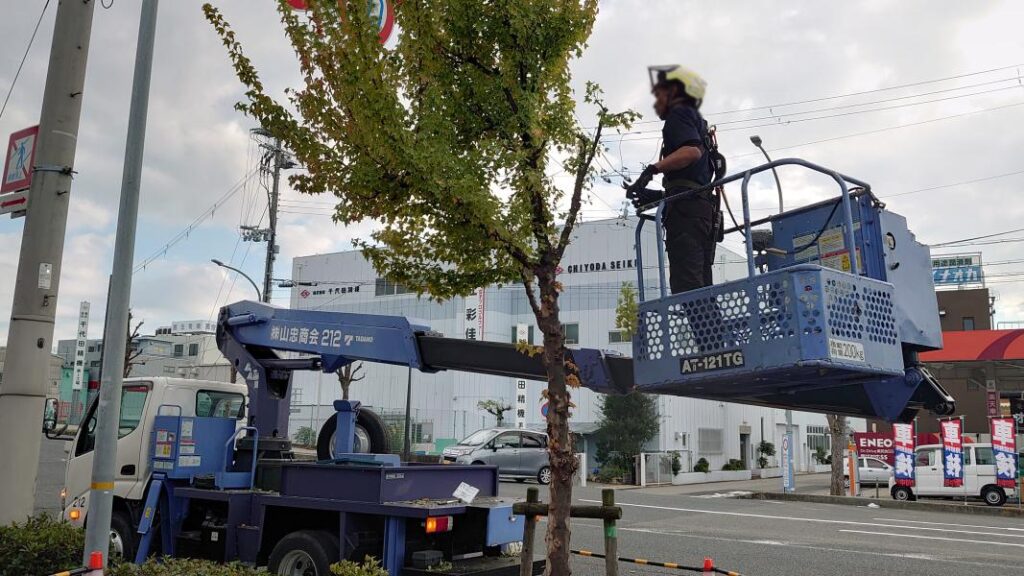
x,y
21,151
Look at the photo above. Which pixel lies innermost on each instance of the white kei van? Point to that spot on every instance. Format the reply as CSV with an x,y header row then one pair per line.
x,y
979,476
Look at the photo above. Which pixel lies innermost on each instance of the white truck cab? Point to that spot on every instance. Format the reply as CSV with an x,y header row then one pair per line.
x,y
141,399
979,476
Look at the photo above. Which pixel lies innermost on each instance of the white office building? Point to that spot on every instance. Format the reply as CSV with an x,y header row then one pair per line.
x,y
444,405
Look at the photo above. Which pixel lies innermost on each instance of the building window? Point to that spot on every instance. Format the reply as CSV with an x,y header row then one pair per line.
x,y
968,323
388,288
92,349
572,333
818,437
618,337
179,350
709,440
529,335
193,349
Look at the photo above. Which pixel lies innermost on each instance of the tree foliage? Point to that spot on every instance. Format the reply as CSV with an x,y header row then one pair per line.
x,y
627,311
495,408
627,423
449,143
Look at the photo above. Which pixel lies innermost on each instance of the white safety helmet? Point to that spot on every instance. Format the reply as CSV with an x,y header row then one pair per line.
x,y
693,85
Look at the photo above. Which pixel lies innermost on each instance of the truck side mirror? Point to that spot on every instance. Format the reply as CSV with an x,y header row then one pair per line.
x,y
50,415
241,412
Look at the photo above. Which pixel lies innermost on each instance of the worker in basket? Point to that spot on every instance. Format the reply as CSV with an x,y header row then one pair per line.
x,y
689,160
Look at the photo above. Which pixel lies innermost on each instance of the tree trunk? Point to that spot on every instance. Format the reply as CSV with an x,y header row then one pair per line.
x,y
837,431
344,389
562,461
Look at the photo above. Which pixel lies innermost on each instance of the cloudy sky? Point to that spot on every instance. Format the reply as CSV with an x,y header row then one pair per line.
x,y
934,127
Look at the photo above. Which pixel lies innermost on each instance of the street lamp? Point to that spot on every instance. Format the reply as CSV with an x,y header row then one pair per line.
x,y
244,275
756,141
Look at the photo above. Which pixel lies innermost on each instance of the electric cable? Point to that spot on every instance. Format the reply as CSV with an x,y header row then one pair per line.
x,y
24,56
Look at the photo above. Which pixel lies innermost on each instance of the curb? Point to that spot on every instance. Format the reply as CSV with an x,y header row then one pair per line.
x,y
1002,511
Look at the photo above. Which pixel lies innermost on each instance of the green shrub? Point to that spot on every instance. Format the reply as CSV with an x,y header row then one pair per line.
x,y
182,567
677,463
40,545
734,464
764,450
369,567
305,436
702,465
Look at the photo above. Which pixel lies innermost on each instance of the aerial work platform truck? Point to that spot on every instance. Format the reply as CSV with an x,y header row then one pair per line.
x,y
837,304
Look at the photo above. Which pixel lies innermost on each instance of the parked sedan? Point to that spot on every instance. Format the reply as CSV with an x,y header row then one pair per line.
x,y
871,471
518,454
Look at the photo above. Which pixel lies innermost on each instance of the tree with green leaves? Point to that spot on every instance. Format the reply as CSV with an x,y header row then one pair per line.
x,y
496,408
449,142
627,422
627,311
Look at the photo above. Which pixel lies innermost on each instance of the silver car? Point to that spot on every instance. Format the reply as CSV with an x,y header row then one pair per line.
x,y
870,470
518,454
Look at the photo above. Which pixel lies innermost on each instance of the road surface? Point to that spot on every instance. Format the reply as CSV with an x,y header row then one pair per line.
x,y
796,539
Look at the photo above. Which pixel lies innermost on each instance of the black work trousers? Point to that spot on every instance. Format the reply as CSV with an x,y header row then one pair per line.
x,y
690,243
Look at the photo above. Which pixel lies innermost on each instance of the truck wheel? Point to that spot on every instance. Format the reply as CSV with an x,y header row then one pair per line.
x,y
122,536
304,553
371,435
902,493
993,496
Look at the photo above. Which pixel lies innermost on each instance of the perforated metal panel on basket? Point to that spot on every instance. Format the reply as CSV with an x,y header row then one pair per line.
x,y
800,317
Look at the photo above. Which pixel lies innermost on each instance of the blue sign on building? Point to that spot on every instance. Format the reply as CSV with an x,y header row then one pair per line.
x,y
957,270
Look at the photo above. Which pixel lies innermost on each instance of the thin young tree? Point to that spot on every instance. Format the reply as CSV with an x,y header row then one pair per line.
x,y
450,142
132,350
348,375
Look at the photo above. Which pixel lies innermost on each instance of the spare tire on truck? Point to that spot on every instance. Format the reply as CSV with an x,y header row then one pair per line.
x,y
371,435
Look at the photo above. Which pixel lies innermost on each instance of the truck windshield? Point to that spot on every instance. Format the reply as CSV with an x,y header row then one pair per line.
x,y
477,438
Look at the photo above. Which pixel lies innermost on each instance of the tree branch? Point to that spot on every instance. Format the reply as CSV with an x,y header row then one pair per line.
x,y
586,158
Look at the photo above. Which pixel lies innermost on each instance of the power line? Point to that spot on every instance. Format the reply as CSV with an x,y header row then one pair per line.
x,y
850,94
187,231
964,240
23,58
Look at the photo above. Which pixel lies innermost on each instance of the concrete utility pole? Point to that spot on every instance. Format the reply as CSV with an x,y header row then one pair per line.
x,y
268,274
30,338
101,498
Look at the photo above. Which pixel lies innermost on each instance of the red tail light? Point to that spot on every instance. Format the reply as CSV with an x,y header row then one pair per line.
x,y
438,524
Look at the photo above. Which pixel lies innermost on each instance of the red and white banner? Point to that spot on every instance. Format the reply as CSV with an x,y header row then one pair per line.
x,y
903,443
1004,450
952,452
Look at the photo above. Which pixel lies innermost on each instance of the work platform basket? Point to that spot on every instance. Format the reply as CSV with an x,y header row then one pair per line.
x,y
799,328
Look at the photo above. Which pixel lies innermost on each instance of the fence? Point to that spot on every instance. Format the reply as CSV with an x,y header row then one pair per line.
x,y
656,467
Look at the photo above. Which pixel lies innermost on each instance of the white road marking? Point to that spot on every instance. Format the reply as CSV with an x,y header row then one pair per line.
x,y
922,537
899,555
814,520
947,524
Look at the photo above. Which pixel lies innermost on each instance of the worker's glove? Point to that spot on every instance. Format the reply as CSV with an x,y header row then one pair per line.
x,y
634,190
646,196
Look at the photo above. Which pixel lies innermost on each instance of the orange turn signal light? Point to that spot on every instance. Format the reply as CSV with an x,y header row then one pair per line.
x,y
75,514
438,524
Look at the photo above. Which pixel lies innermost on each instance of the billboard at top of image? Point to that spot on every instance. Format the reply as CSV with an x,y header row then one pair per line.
x,y
1004,450
903,447
952,453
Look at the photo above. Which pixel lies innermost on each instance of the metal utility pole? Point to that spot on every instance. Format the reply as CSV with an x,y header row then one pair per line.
x,y
101,498
30,337
407,442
